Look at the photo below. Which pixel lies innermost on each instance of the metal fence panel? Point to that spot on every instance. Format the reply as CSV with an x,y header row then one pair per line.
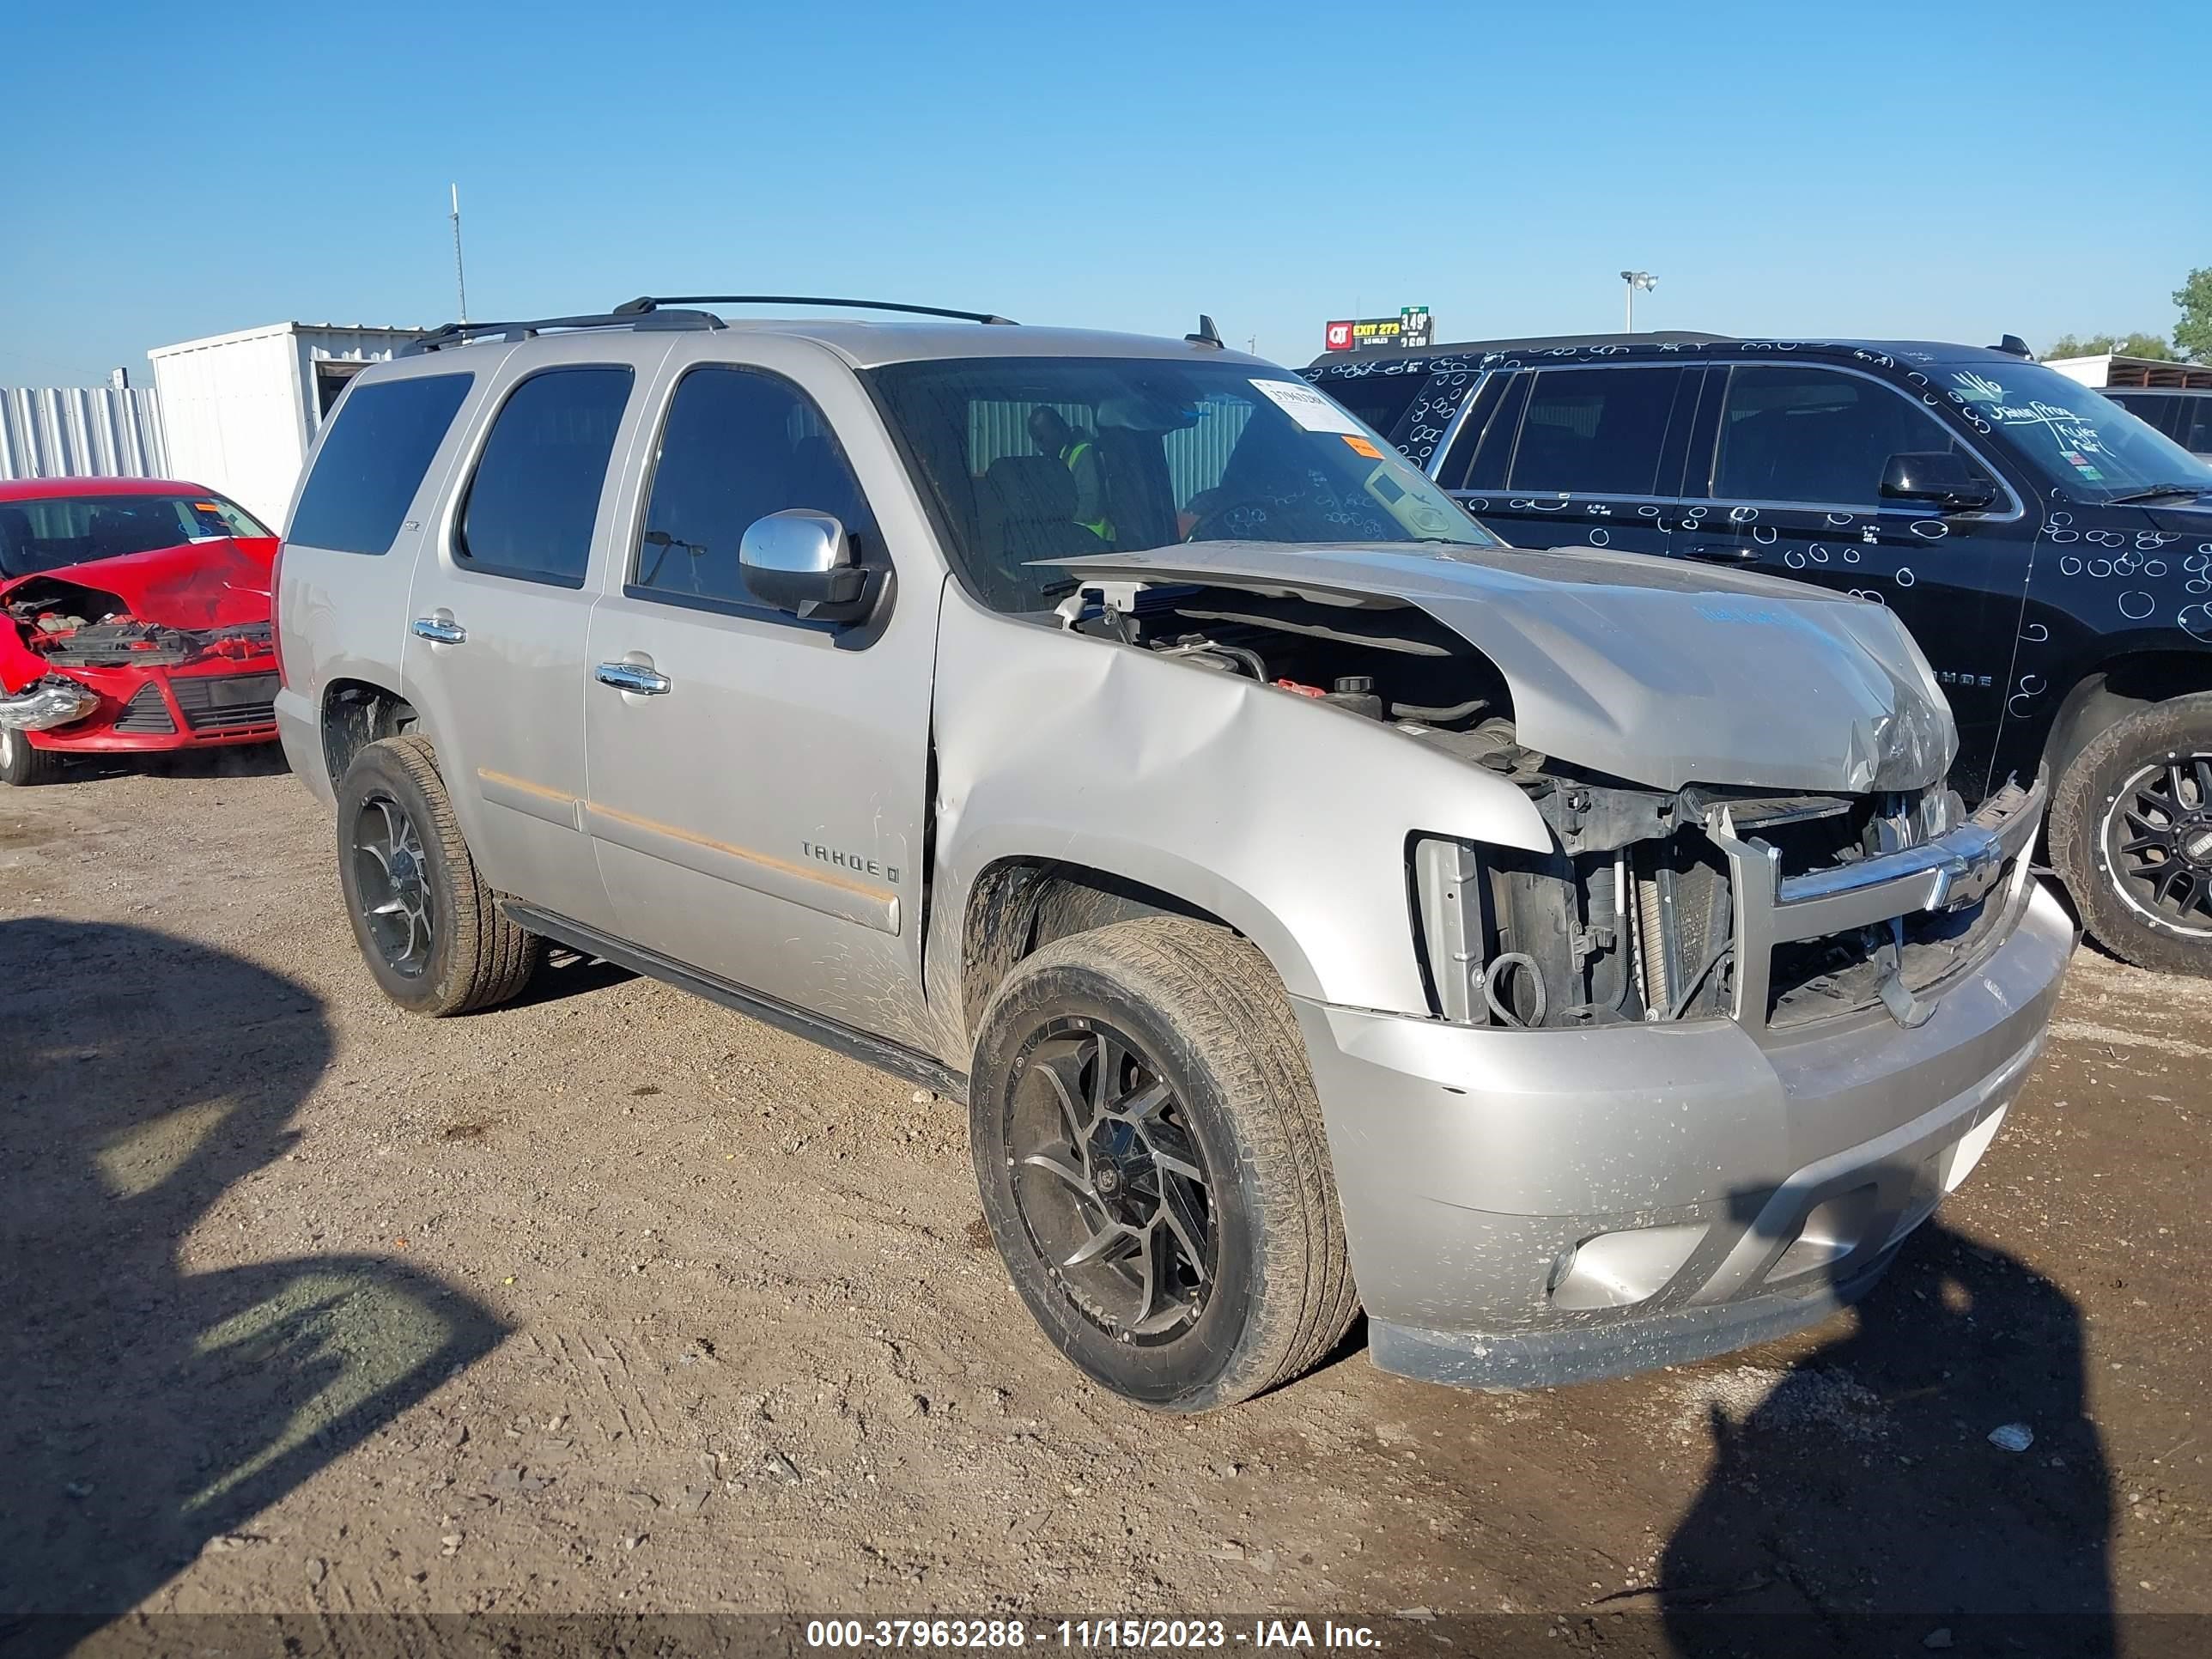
x,y
80,431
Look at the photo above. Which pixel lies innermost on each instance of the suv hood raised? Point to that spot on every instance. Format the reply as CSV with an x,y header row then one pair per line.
x,y
1660,673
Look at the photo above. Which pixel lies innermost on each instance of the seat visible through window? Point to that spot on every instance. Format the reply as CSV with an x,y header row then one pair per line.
x,y
1027,505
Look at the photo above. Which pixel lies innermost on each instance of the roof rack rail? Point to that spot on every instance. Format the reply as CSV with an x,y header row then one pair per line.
x,y
453,334
647,304
1536,343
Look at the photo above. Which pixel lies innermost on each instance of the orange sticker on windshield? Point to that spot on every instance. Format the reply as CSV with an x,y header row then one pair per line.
x,y
1361,446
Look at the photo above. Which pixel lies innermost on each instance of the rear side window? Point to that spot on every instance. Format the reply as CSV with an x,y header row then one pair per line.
x,y
1595,431
2164,413
372,462
1379,399
1485,443
2192,430
739,445
535,496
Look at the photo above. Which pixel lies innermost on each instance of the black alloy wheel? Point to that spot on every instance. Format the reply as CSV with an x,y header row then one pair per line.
x,y
1110,1183
1152,1164
2157,838
2131,835
395,907
429,927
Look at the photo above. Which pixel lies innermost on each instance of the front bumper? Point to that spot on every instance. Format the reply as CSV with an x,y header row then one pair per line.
x,y
200,705
1527,1207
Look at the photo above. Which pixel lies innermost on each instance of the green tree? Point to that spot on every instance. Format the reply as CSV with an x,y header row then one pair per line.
x,y
2193,334
2138,344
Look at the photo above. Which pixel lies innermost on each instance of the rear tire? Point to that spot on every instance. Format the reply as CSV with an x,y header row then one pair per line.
x,y
1201,1154
2131,835
428,926
21,765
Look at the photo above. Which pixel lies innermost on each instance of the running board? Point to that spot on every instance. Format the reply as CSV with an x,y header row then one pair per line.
x,y
900,1061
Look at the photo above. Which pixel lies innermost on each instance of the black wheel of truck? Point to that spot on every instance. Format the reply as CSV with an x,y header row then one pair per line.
x,y
2132,833
427,925
21,765
1152,1164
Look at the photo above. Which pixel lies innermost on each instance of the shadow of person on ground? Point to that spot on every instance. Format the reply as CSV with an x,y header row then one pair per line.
x,y
146,1087
1861,1507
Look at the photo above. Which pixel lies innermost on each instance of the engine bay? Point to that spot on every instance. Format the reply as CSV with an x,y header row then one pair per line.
x,y
70,625
1633,916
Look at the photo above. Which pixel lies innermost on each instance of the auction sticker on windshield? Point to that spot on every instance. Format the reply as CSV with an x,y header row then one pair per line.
x,y
1306,406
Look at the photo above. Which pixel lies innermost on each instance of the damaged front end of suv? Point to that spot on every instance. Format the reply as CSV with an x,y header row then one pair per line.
x,y
1710,851
1712,989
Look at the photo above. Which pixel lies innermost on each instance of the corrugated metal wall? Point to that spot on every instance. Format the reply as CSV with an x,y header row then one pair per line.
x,y
81,431
1195,455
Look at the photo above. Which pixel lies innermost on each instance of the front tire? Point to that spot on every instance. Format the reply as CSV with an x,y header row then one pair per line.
x,y
21,765
1152,1165
427,925
2131,833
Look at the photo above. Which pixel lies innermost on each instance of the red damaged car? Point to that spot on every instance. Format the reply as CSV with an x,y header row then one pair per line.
x,y
136,618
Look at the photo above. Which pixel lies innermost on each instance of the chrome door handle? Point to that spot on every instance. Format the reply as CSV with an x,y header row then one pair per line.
x,y
439,631
629,677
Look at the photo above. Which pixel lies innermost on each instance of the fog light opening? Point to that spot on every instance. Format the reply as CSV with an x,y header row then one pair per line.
x,y
1618,1270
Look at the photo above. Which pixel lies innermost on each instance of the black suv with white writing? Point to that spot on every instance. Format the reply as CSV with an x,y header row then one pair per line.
x,y
2050,553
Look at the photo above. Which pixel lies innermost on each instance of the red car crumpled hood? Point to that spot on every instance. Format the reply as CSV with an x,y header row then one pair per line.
x,y
209,584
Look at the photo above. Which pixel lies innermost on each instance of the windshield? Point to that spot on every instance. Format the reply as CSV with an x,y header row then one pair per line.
x,y
1033,458
2076,437
59,530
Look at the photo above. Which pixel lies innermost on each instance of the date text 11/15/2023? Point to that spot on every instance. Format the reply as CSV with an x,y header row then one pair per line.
x,y
1088,1635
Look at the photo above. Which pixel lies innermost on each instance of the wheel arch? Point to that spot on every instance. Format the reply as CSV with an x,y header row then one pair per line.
x,y
1020,902
355,713
2116,688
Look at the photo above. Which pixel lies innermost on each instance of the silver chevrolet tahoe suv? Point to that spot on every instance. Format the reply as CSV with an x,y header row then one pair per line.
x,y
1576,960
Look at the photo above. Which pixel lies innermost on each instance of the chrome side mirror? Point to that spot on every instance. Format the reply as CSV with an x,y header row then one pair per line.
x,y
801,561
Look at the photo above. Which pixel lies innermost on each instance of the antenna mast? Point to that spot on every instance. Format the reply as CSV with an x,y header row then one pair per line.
x,y
460,277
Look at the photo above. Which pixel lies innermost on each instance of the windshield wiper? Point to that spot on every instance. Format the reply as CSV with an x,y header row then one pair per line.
x,y
2155,491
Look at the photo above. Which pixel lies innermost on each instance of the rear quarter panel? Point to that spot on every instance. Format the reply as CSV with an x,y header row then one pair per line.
x,y
344,616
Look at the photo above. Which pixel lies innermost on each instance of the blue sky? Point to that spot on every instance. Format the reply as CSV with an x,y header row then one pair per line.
x,y
1949,168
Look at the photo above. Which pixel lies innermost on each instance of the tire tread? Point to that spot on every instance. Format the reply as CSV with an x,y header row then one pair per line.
x,y
30,767
1228,995
491,958
2077,815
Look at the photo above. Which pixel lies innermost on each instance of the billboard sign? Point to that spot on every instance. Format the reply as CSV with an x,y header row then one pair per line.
x,y
1412,328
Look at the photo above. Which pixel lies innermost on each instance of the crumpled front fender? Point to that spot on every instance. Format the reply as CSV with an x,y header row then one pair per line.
x,y
1285,817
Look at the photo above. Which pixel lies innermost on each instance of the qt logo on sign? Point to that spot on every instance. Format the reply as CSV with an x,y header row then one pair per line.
x,y
1339,338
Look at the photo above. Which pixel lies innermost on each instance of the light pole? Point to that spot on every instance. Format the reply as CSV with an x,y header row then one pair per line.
x,y
1636,279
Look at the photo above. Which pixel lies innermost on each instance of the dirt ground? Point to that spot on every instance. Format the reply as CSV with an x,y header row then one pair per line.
x,y
614,1300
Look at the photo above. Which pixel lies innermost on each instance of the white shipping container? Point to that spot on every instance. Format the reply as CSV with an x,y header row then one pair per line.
x,y
239,411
